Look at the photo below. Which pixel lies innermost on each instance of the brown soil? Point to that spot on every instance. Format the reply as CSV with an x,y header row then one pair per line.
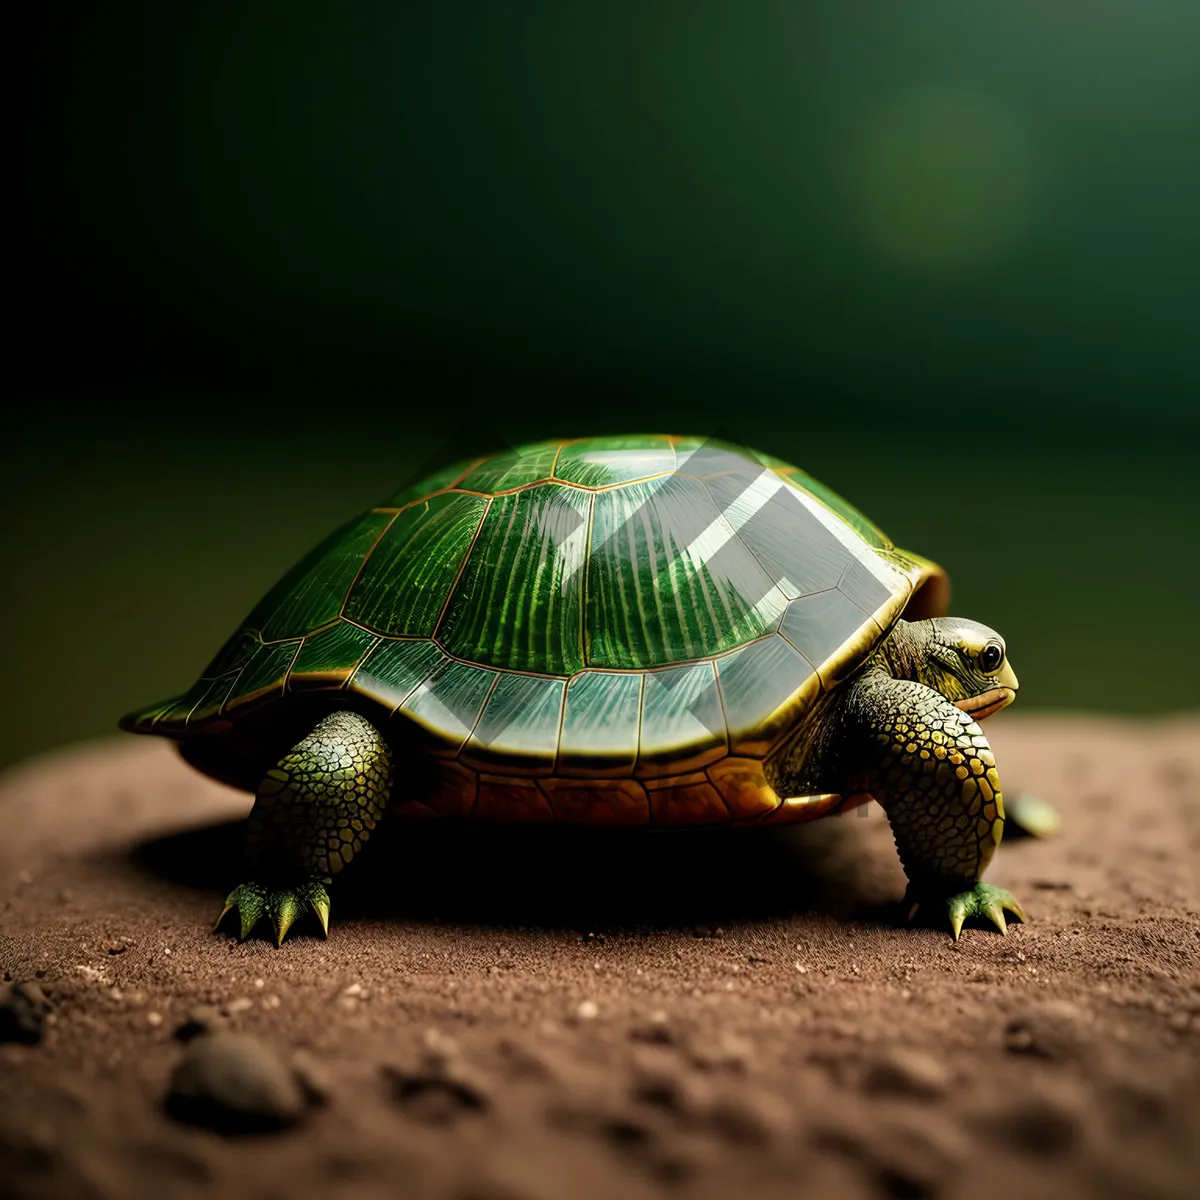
x,y
688,1015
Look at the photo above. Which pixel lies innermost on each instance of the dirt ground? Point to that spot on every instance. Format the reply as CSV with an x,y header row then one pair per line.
x,y
533,1015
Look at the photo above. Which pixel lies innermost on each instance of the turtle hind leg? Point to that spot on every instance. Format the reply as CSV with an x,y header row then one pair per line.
x,y
313,813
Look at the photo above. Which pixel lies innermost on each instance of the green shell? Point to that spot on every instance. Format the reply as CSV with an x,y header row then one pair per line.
x,y
618,606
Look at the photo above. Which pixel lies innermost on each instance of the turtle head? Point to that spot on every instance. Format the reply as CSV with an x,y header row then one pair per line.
x,y
966,661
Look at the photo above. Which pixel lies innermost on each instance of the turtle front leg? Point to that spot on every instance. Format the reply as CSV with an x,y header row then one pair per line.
x,y
313,812
930,766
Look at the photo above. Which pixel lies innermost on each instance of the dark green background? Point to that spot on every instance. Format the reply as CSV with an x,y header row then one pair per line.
x,y
270,258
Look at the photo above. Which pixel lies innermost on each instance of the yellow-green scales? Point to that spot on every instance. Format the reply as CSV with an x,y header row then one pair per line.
x,y
634,631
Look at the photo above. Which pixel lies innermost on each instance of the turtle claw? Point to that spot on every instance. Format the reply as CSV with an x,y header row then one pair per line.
x,y
286,910
249,901
319,903
252,902
982,900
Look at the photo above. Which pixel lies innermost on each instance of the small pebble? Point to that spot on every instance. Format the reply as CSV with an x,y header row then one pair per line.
x,y
750,1119
204,1018
233,1083
525,1059
587,1010
904,1072
1041,1127
725,1051
908,1156
1053,1030
656,1031
660,1083
23,1010
312,1077
439,1091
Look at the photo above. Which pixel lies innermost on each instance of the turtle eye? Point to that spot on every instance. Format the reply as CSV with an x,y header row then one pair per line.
x,y
990,657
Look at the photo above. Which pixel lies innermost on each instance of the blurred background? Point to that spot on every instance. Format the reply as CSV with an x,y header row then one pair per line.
x,y
270,260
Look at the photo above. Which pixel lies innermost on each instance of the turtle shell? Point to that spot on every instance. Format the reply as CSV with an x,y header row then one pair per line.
x,y
616,629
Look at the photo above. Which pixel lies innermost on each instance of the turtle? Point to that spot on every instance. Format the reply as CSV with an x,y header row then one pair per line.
x,y
625,631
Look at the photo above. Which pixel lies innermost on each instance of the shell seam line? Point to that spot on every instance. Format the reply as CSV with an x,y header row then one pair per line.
x,y
562,718
599,670
558,454
433,670
637,756
375,640
478,717
287,675
797,649
462,566
724,715
363,565
737,533
583,597
201,700
362,658
263,691
472,468
454,489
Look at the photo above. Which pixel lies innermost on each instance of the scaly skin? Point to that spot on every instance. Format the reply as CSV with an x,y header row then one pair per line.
x,y
313,813
935,775
898,730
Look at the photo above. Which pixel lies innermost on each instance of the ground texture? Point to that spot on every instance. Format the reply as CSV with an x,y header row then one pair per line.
x,y
535,1015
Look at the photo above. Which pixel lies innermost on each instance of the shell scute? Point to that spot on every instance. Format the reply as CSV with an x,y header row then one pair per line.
x,y
819,624
404,583
328,658
669,580
505,799
517,731
590,802
518,467
683,726
697,803
763,686
601,722
518,604
448,703
393,670
312,593
263,678
605,462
